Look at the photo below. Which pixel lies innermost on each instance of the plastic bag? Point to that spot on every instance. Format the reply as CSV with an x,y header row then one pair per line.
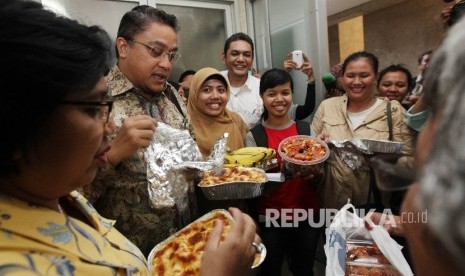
x,y
349,226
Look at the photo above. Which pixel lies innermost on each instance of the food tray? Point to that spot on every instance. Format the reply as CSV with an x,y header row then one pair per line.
x,y
293,166
259,258
367,269
363,257
235,189
382,146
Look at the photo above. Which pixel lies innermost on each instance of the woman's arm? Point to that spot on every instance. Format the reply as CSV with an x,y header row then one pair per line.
x,y
303,111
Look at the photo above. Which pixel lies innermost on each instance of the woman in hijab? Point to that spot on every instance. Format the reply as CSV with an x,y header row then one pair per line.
x,y
208,96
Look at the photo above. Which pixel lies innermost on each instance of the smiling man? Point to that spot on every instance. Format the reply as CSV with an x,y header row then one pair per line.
x,y
245,99
146,49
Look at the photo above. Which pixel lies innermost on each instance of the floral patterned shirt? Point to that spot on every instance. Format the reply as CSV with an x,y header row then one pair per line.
x,y
35,240
121,193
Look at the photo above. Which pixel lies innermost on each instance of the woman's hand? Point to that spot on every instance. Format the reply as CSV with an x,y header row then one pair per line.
x,y
135,133
235,255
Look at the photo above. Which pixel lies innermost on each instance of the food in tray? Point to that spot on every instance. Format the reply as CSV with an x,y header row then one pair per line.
x,y
182,253
249,157
234,174
370,270
364,258
365,253
303,148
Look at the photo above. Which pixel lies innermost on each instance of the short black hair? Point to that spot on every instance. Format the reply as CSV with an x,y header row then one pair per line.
x,y
47,57
425,53
185,74
236,37
273,78
396,68
140,18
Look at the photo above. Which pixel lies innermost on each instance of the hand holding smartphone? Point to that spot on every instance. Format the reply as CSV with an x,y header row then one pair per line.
x,y
298,58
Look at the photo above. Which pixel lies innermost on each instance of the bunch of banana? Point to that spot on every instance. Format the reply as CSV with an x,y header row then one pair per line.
x,y
248,157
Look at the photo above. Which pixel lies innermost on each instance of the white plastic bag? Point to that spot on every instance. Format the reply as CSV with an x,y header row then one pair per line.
x,y
347,225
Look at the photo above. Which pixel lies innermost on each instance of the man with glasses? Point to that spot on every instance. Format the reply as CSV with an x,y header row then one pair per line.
x,y
146,50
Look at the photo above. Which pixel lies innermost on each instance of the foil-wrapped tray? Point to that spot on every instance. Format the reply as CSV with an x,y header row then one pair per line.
x,y
235,189
381,146
159,248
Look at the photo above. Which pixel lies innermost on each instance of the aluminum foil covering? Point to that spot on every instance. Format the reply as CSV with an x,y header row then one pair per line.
x,y
168,181
354,152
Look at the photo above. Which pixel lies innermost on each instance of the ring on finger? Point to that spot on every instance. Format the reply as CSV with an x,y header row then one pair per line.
x,y
257,247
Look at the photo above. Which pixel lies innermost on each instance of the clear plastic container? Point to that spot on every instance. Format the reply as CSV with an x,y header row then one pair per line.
x,y
292,166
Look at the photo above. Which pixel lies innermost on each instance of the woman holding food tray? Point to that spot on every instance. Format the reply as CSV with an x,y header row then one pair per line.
x,y
210,119
45,157
357,114
297,243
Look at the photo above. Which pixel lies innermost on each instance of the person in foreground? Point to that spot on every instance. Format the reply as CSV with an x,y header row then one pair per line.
x,y
437,244
55,102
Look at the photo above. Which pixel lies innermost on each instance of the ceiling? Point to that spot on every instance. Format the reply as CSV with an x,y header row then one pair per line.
x,y
336,6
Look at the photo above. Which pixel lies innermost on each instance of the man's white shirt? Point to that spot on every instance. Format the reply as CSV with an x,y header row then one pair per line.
x,y
246,100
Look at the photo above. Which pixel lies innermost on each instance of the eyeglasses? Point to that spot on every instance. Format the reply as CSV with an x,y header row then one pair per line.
x,y
157,52
392,174
105,105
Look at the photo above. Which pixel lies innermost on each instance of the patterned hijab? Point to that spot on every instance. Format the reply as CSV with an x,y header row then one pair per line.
x,y
209,129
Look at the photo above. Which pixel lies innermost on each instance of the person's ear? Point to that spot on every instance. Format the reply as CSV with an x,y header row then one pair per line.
x,y
122,47
223,58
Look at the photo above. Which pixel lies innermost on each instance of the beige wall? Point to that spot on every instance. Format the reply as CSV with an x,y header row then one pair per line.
x,y
398,34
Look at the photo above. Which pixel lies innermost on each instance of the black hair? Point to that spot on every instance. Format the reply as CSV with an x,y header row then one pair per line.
x,y
425,53
185,74
273,78
140,18
358,55
46,58
396,68
236,37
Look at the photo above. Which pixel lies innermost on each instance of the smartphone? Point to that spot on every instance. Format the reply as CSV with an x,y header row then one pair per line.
x,y
298,58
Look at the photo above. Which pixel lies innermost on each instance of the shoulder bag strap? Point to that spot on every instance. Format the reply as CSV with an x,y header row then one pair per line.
x,y
259,135
389,120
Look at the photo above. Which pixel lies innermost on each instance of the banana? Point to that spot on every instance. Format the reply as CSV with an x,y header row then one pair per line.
x,y
249,156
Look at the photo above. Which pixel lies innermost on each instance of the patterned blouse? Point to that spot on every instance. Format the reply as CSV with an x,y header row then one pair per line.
x,y
121,193
35,240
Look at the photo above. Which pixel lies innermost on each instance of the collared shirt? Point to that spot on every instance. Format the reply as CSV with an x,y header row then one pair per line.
x,y
35,240
246,100
121,193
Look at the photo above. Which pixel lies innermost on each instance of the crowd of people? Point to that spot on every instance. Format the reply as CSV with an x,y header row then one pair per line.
x,y
76,172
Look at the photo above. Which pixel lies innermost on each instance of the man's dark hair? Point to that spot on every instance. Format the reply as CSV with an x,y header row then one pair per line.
x,y
140,18
425,53
236,37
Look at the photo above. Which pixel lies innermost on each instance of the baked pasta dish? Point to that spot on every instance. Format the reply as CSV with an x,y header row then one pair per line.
x,y
233,174
181,254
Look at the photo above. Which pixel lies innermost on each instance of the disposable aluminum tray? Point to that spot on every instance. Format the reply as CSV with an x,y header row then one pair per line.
x,y
234,190
260,257
381,146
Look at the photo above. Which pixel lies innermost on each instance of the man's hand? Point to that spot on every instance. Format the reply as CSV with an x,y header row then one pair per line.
x,y
235,255
135,133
